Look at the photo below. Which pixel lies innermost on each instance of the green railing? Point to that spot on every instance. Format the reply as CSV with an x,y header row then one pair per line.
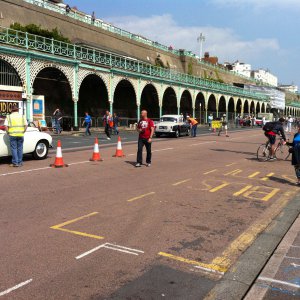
x,y
103,58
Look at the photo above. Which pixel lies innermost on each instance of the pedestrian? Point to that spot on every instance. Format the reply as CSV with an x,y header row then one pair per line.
x,y
107,119
15,126
145,128
93,17
68,8
253,121
290,122
263,121
210,119
87,123
237,121
57,120
193,124
116,124
224,126
296,154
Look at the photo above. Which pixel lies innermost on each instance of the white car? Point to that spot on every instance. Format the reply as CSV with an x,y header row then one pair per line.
x,y
173,125
35,142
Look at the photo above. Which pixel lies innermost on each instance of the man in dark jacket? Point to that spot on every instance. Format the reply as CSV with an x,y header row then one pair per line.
x,y
271,130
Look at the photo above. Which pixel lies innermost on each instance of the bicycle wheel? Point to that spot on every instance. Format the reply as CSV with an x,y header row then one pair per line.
x,y
282,152
263,152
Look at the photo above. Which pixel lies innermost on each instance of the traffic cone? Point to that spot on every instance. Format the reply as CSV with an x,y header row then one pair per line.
x,y
119,151
59,162
96,154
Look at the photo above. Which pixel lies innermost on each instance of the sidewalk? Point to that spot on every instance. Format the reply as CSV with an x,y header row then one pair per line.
x,y
280,278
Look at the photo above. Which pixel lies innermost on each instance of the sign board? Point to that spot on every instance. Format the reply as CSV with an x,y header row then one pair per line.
x,y
216,124
38,108
277,97
7,105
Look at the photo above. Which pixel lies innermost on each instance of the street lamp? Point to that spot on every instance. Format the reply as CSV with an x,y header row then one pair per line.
x,y
201,39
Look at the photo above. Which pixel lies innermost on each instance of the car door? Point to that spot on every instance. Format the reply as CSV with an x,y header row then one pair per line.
x,y
4,144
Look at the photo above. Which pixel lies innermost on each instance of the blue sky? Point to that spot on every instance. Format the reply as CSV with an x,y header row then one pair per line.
x,y
263,33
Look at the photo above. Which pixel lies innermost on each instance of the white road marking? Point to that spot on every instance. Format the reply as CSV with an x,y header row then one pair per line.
x,y
203,143
39,169
15,287
158,150
209,270
291,257
279,282
112,247
293,246
295,265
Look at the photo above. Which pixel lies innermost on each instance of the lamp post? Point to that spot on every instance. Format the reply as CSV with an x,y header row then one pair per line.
x,y
201,39
200,114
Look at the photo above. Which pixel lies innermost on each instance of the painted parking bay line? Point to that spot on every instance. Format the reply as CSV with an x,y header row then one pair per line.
x,y
15,287
208,172
268,176
203,143
114,247
219,187
207,267
181,182
140,197
60,227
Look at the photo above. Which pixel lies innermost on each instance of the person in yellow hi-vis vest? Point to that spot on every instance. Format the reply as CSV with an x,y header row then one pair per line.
x,y
193,124
16,126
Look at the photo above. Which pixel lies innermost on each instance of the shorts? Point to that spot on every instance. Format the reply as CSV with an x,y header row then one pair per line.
x,y
272,138
225,127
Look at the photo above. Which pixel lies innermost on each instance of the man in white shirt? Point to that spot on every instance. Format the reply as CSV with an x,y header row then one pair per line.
x,y
290,122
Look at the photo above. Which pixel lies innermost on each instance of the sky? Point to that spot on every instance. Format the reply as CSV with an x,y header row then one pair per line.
x,y
263,33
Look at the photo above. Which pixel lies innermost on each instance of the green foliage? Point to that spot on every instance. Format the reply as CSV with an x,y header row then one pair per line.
x,y
37,30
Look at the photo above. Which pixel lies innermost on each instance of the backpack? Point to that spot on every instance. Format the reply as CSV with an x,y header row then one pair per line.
x,y
269,126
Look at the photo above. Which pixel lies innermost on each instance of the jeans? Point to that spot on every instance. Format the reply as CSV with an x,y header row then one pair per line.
x,y
16,147
116,130
87,129
194,130
57,126
107,130
141,144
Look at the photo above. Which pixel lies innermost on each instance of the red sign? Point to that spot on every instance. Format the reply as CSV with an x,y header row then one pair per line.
x,y
8,95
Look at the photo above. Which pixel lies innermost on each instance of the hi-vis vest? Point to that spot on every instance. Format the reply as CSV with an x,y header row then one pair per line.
x,y
16,125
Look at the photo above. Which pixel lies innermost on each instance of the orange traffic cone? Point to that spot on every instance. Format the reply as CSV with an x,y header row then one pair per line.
x,y
58,163
96,154
119,151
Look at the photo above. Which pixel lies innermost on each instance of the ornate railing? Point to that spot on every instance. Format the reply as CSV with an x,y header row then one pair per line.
x,y
110,60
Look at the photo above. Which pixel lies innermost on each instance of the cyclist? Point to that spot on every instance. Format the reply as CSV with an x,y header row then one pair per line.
x,y
271,129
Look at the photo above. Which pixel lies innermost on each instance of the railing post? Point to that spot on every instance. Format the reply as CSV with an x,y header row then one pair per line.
x,y
94,56
26,40
52,46
74,51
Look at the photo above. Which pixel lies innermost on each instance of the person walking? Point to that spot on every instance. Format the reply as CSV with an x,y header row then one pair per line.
x,y
107,119
290,122
116,124
210,119
237,121
296,154
224,126
87,123
58,119
145,127
15,126
193,124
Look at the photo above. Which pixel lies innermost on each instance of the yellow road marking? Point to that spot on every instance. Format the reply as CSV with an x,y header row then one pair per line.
x,y
241,243
243,190
194,262
270,195
140,197
180,182
253,175
230,165
59,227
233,172
267,176
210,172
219,187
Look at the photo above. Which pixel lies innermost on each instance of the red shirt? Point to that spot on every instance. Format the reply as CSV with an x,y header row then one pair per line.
x,y
146,126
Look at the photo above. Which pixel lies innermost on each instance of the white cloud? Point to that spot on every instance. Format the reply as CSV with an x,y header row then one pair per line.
x,y
260,4
222,42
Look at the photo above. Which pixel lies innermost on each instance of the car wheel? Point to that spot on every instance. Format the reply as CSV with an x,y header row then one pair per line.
x,y
177,133
157,135
41,150
188,132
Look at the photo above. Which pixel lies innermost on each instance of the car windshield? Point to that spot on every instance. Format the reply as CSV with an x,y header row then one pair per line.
x,y
168,119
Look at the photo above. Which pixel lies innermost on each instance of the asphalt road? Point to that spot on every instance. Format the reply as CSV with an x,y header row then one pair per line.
x,y
110,231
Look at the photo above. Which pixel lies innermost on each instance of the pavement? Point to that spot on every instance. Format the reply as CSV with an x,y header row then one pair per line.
x,y
201,223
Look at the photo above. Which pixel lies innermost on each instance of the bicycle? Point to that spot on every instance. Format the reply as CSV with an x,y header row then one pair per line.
x,y
282,151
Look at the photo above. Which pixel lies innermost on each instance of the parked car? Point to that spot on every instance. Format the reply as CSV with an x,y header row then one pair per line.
x,y
172,125
35,142
259,122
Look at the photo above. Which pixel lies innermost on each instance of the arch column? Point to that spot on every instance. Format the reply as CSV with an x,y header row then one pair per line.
x,y
28,89
75,97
